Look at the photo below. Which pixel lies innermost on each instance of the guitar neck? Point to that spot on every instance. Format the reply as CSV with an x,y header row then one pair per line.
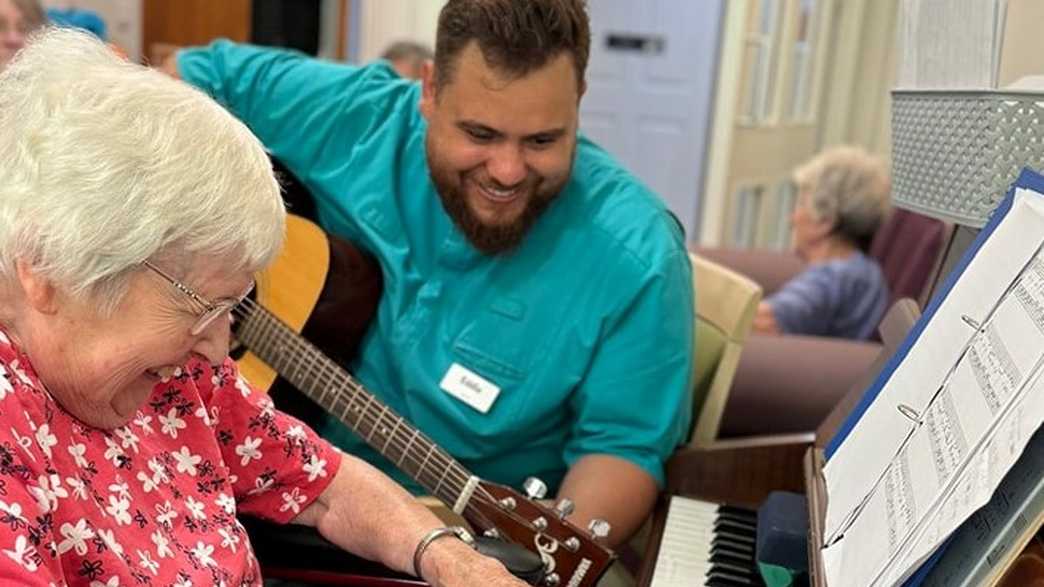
x,y
336,391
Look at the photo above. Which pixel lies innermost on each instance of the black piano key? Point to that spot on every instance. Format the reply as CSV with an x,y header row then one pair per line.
x,y
729,576
728,558
726,543
739,513
740,524
739,534
739,570
720,582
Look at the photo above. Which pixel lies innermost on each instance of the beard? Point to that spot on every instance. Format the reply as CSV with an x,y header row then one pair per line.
x,y
491,239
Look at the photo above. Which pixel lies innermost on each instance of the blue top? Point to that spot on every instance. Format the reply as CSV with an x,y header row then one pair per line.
x,y
586,328
842,297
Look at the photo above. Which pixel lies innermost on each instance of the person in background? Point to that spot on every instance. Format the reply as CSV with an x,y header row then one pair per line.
x,y
134,212
843,197
18,19
537,313
407,58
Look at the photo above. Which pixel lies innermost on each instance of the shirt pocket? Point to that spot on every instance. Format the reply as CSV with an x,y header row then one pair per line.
x,y
495,343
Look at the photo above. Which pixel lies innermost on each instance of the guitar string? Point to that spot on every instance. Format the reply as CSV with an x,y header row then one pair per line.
x,y
363,408
267,323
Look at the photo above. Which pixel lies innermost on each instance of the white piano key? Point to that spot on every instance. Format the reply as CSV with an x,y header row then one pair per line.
x,y
685,544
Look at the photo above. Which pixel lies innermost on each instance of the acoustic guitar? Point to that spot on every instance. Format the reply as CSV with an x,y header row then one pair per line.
x,y
286,294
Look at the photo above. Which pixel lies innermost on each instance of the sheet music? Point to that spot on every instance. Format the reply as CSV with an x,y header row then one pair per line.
x,y
678,562
951,419
990,540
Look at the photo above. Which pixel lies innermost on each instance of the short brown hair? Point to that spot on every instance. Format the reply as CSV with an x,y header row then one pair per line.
x,y
515,36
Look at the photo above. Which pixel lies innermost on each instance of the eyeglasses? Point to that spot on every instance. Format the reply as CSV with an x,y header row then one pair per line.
x,y
211,310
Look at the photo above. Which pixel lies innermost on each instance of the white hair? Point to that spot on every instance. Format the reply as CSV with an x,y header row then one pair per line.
x,y
849,188
107,163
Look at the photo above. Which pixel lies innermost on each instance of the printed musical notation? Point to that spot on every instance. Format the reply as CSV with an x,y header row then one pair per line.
x,y
950,419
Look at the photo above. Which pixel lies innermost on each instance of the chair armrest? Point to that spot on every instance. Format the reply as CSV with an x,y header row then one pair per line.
x,y
790,383
769,269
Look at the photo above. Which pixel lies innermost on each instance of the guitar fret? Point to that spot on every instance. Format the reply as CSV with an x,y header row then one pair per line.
x,y
439,484
394,430
424,463
377,423
362,410
406,450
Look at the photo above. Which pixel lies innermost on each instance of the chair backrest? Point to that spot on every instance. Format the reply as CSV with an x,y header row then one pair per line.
x,y
725,306
908,247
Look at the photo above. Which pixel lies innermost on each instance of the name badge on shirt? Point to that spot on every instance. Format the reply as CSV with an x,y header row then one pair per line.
x,y
469,387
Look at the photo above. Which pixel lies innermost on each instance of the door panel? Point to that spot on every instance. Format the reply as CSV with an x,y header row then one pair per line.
x,y
650,84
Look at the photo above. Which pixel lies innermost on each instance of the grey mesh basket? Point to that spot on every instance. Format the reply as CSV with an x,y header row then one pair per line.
x,y
954,153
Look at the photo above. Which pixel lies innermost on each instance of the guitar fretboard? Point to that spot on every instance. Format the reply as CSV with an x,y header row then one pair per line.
x,y
333,388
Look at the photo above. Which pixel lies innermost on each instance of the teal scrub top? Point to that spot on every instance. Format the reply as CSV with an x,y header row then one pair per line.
x,y
586,327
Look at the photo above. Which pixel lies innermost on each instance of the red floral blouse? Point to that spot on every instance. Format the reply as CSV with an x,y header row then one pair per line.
x,y
153,502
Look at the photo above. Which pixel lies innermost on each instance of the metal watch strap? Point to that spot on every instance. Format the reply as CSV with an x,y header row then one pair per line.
x,y
458,531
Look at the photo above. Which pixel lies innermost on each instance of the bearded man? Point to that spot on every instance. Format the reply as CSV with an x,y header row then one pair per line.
x,y
537,313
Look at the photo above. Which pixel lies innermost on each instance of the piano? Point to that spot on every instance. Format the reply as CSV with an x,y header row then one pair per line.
x,y
706,520
730,476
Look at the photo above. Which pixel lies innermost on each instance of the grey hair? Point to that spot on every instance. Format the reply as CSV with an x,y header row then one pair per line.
x,y
107,163
415,52
849,188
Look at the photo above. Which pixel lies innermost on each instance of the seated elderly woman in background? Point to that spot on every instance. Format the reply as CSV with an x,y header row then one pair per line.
x,y
134,212
18,18
842,199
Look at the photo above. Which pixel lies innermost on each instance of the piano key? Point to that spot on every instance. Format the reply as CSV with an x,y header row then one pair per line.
x,y
720,582
738,579
708,541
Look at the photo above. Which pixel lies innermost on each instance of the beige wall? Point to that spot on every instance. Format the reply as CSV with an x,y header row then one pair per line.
x,y
856,72
857,100
383,22
1023,50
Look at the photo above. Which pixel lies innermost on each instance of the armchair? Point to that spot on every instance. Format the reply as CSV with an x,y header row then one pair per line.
x,y
788,383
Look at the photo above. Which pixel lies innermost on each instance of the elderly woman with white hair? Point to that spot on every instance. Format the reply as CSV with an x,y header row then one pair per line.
x,y
842,199
134,212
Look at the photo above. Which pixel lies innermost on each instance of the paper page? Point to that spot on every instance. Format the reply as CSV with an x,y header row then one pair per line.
x,y
944,428
974,490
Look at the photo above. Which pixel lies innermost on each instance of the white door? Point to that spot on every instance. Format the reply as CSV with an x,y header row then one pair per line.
x,y
650,86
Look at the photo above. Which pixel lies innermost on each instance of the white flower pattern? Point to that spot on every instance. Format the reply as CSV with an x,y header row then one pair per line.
x,y
132,507
171,423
